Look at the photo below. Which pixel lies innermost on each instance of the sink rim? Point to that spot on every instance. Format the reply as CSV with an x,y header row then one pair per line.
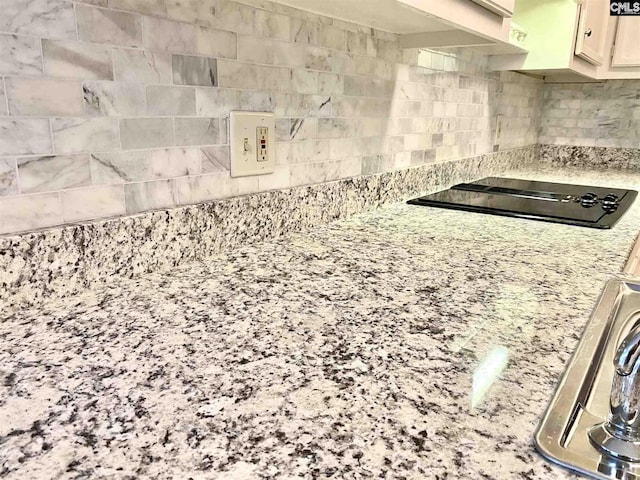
x,y
561,436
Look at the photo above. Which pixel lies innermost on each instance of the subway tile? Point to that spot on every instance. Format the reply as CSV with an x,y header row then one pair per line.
x,y
24,136
330,84
20,55
92,203
256,50
192,11
120,167
283,153
316,105
175,162
272,25
147,7
309,173
309,151
146,132
220,185
303,31
99,25
343,62
224,14
331,37
34,96
142,197
216,102
237,75
304,81
273,78
272,52
141,66
97,3
29,212
168,36
203,187
278,180
79,135
140,165
372,165
357,43
417,158
350,167
303,128
8,177
199,71
163,100
114,98
282,129
336,128
288,54
256,101
215,43
77,60
317,58
53,172
215,159
233,16
39,18
197,131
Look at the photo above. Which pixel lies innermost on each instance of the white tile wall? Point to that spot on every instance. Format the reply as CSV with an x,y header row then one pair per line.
x,y
592,114
118,107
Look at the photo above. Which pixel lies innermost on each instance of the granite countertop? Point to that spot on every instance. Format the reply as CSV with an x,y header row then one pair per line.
x,y
365,348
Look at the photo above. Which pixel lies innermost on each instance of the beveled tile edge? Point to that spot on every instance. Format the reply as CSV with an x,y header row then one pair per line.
x,y
63,261
593,157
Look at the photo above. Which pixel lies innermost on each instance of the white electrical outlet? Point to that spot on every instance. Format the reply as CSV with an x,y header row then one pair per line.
x,y
252,148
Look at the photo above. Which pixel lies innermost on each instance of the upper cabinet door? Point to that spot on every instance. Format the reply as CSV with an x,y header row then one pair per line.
x,y
592,30
503,8
626,51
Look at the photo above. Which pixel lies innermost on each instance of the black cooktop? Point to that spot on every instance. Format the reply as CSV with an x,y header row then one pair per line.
x,y
583,205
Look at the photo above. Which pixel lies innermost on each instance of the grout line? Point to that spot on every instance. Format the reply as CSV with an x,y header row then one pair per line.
x,y
6,94
75,22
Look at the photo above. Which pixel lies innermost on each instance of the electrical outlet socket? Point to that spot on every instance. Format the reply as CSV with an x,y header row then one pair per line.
x,y
252,143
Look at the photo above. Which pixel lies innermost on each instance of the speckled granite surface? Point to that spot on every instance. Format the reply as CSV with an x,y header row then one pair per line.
x,y
64,261
347,352
591,157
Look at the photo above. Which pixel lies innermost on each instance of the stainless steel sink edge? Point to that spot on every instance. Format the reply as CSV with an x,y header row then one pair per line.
x,y
581,398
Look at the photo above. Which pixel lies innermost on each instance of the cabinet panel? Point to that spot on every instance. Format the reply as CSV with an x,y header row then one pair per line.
x,y
627,44
501,7
592,31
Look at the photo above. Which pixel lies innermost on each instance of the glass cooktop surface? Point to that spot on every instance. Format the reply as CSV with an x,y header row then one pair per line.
x,y
583,205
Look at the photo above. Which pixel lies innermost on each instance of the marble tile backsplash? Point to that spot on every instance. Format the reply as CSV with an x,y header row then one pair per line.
x,y
592,114
115,107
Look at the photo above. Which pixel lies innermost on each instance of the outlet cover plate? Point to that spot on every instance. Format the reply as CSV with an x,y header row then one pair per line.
x,y
243,137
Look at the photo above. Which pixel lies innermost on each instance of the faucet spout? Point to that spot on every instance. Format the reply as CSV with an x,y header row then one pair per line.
x,y
619,436
625,388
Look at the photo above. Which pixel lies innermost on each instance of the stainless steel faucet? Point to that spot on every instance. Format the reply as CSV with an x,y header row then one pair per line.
x,y
619,436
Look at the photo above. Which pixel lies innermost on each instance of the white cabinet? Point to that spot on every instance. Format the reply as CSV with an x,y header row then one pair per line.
x,y
551,27
573,40
591,35
623,49
626,47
